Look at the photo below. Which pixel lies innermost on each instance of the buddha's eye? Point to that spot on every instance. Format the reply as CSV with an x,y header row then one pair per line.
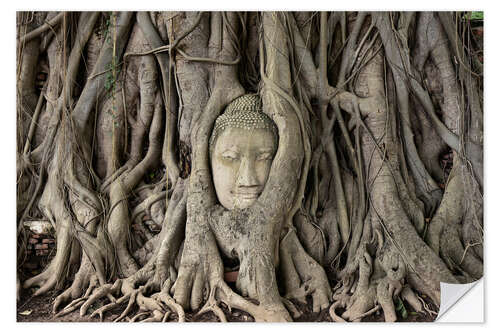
x,y
230,156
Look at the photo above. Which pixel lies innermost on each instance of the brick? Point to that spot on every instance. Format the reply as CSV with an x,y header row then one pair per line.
x,y
32,241
48,240
43,252
231,276
36,236
41,246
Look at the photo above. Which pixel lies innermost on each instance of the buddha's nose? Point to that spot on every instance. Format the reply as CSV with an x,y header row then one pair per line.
x,y
247,175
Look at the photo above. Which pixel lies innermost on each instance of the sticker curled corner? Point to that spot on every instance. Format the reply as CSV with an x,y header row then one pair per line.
x,y
451,295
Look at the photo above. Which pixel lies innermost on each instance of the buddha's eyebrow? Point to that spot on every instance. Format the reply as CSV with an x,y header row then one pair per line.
x,y
266,150
232,149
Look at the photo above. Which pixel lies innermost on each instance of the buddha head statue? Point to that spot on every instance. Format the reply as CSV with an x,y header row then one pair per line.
x,y
242,148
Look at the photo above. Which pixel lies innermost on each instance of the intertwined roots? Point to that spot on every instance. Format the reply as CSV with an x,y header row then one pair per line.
x,y
351,173
160,306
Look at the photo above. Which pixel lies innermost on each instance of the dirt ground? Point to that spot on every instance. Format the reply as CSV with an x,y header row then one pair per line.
x,y
39,309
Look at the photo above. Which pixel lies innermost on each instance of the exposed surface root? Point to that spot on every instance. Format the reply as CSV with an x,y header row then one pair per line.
x,y
84,278
303,276
157,307
212,305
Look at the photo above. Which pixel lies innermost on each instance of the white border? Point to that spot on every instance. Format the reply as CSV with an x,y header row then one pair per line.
x,y
7,144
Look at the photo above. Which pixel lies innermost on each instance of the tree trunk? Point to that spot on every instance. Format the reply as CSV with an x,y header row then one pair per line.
x,y
115,117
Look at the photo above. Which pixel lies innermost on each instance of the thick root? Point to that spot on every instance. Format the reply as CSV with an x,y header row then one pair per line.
x,y
195,277
302,274
360,303
379,295
261,313
165,297
105,290
212,305
73,294
158,307
409,296
84,278
291,308
39,280
371,290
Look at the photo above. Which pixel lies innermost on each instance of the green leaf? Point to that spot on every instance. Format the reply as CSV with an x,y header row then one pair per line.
x,y
404,313
476,15
399,304
400,307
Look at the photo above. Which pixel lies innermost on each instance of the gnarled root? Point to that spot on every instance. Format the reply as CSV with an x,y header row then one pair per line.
x,y
201,278
84,278
149,287
444,234
221,292
55,274
157,307
378,284
302,274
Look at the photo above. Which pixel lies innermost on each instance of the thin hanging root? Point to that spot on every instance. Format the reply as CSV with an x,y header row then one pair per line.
x,y
291,308
211,305
334,316
172,304
113,177
367,313
426,307
102,310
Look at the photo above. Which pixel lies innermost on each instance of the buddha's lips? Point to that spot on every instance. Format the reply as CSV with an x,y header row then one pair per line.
x,y
247,194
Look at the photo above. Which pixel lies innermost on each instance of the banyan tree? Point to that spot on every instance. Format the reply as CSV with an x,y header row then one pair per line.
x,y
301,150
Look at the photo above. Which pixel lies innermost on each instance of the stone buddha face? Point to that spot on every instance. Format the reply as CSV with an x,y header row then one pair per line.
x,y
242,149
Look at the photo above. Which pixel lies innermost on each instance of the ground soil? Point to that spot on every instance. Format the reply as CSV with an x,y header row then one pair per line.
x,y
39,309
